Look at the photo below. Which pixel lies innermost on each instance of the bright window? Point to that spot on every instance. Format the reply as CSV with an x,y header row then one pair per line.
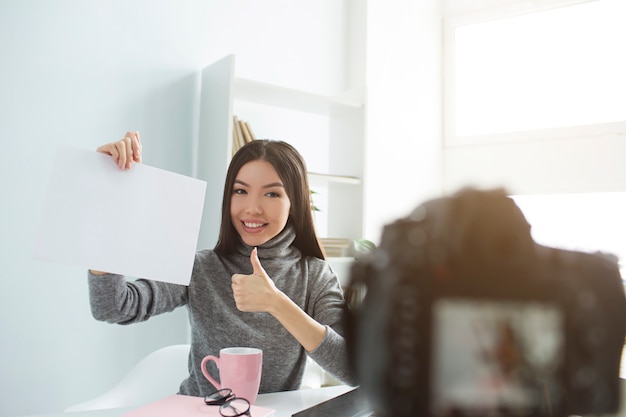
x,y
587,222
547,69
525,84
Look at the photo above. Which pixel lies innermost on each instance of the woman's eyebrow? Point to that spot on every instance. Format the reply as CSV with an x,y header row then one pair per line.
x,y
274,184
270,185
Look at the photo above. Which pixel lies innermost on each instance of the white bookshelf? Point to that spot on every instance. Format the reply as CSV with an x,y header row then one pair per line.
x,y
327,130
295,99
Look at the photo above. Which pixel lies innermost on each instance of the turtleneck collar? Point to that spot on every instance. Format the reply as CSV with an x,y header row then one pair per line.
x,y
279,247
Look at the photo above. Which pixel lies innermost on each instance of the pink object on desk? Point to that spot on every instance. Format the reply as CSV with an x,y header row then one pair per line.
x,y
240,370
188,406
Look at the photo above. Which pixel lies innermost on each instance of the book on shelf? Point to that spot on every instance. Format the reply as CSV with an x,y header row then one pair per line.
x,y
238,140
337,247
242,133
246,133
250,132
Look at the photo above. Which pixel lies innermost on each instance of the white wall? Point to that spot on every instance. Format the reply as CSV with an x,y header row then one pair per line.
x,y
404,115
82,73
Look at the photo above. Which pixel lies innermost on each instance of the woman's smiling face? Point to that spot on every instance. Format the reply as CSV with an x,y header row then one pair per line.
x,y
259,205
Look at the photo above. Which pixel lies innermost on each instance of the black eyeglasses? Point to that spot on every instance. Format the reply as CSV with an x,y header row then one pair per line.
x,y
219,397
230,405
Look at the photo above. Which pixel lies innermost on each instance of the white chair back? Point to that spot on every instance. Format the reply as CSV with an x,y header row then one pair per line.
x,y
154,377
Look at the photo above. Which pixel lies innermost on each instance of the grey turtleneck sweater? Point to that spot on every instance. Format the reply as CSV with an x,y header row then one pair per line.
x,y
217,323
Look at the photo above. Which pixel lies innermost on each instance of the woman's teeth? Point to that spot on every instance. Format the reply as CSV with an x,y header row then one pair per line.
x,y
253,225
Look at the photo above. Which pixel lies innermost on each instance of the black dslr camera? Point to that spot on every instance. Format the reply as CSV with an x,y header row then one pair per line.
x,y
459,312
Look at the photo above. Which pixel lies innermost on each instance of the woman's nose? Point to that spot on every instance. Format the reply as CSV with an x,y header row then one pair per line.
x,y
254,207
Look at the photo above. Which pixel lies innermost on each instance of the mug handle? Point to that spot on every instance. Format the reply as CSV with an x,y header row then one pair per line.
x,y
206,373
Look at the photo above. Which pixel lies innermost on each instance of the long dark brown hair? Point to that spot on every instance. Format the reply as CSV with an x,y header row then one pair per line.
x,y
291,169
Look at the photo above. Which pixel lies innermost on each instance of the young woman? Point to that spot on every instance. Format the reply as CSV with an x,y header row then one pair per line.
x,y
264,285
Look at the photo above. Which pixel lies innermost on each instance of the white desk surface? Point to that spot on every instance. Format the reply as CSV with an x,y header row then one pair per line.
x,y
285,403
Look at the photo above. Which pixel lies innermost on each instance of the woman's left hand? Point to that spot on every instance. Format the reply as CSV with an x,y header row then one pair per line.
x,y
255,292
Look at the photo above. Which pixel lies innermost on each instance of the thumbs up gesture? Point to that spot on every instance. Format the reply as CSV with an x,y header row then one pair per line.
x,y
255,292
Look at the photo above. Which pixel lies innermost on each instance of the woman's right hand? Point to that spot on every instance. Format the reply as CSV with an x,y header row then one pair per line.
x,y
125,151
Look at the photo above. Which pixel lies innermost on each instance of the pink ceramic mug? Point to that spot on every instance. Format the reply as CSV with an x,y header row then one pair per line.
x,y
240,370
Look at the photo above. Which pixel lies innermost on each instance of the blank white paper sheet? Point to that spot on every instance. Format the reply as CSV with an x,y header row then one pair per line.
x,y
143,222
